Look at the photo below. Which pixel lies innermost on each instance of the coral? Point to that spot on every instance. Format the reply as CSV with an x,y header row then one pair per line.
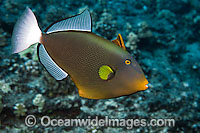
x,y
196,20
3,41
5,87
39,101
132,40
106,26
167,15
32,50
94,129
128,27
20,109
143,31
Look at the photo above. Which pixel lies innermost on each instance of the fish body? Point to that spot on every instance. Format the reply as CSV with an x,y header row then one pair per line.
x,y
99,68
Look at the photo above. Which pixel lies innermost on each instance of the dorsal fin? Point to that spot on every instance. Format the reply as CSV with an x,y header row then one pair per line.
x,y
119,41
80,22
49,64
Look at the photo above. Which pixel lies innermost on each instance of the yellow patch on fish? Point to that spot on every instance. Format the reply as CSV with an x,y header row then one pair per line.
x,y
105,72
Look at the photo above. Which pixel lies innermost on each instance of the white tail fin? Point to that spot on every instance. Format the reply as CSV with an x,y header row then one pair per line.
x,y
26,32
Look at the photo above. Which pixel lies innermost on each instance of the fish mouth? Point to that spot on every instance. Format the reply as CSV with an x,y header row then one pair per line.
x,y
146,85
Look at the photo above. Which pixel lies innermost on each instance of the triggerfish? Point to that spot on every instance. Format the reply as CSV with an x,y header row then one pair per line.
x,y
100,68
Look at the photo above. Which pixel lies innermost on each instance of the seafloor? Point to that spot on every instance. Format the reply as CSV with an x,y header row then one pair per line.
x,y
164,37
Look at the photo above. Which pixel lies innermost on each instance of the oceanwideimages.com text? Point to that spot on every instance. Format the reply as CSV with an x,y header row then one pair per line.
x,y
46,121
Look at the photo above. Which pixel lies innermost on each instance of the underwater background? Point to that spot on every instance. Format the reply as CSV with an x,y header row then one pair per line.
x,y
162,35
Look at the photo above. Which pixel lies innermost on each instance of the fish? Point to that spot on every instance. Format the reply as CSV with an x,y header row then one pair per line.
x,y
100,68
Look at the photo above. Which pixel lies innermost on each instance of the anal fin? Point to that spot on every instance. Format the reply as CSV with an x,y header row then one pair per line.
x,y
49,64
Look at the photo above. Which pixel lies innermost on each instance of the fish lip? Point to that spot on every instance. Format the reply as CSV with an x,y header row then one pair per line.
x,y
146,86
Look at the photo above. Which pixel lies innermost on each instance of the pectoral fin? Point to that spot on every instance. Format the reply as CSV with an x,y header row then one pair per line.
x,y
119,41
106,73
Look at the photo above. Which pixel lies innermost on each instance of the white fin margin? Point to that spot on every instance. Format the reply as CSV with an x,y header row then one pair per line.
x,y
81,22
26,32
50,65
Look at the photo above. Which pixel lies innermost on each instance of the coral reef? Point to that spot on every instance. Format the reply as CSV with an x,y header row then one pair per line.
x,y
39,101
20,109
5,88
143,31
3,41
31,51
106,26
132,41
162,35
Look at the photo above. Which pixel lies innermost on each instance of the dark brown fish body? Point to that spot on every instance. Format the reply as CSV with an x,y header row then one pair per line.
x,y
80,54
99,68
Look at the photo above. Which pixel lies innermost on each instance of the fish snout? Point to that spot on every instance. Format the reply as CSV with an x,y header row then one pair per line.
x,y
145,85
139,85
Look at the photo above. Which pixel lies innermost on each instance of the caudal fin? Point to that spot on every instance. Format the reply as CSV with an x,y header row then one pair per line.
x,y
26,32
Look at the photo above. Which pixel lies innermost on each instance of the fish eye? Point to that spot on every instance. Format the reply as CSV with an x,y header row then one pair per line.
x,y
127,61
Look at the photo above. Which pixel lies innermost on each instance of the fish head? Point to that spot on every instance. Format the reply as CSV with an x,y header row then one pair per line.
x,y
130,76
